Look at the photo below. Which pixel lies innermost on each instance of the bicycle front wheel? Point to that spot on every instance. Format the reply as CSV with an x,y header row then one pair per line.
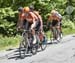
x,y
22,49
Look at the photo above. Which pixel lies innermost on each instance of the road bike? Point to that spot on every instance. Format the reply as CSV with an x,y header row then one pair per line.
x,y
26,44
55,35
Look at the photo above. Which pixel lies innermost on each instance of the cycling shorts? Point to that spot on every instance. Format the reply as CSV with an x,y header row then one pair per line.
x,y
55,23
27,25
38,24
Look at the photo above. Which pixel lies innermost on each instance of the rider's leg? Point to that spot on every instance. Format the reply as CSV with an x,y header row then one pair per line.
x,y
33,32
54,33
53,29
41,36
58,29
40,29
61,25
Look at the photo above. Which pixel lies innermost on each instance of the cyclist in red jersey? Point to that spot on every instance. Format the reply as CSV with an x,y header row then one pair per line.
x,y
55,20
32,20
38,15
21,18
40,21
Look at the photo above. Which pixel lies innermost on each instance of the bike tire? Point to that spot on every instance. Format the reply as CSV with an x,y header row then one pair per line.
x,y
44,43
22,49
34,49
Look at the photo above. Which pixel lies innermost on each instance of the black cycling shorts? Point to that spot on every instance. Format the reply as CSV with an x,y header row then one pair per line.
x,y
27,25
37,27
55,23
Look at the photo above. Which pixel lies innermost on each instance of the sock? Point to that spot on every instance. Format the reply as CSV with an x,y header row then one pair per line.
x,y
34,41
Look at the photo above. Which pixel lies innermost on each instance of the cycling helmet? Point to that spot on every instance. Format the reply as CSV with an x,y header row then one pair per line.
x,y
26,9
31,7
20,9
36,12
53,11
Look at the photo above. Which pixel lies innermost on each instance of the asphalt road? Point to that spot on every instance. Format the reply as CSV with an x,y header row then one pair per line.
x,y
63,52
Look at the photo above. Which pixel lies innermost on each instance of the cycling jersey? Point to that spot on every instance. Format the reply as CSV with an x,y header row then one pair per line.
x,y
36,13
39,19
49,18
53,17
21,16
59,15
30,16
53,20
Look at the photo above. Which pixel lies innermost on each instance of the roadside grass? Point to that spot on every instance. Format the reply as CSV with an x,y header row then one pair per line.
x,y
9,42
66,31
12,42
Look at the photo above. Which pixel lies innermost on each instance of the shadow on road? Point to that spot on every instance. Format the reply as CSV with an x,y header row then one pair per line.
x,y
15,54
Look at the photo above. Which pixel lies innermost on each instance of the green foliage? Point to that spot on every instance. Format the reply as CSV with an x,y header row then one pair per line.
x,y
68,31
9,16
7,21
67,23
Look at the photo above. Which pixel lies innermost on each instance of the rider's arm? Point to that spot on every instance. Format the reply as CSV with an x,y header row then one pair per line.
x,y
49,19
21,17
20,20
19,23
41,22
40,19
33,19
57,18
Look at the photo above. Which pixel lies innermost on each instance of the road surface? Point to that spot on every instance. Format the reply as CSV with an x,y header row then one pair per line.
x,y
63,52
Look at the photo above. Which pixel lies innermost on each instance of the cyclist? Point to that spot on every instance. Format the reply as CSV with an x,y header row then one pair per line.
x,y
55,21
32,21
38,15
40,22
20,18
60,19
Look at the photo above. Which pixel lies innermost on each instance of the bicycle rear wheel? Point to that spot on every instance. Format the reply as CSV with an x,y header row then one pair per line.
x,y
44,42
34,49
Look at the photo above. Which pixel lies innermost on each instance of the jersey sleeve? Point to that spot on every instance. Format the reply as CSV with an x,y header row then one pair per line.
x,y
22,16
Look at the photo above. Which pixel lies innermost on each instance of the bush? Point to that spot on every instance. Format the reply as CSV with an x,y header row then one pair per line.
x,y
7,21
67,23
